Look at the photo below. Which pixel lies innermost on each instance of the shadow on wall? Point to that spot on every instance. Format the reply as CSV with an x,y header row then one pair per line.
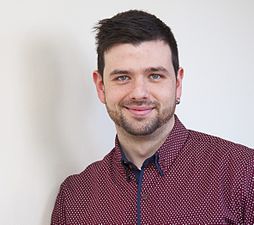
x,y
57,91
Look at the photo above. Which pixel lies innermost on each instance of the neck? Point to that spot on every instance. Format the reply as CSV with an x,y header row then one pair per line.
x,y
138,148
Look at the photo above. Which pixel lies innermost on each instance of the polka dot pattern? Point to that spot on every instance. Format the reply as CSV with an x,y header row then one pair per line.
x,y
205,180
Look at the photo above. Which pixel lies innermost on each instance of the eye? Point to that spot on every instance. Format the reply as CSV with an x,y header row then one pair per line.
x,y
155,76
122,78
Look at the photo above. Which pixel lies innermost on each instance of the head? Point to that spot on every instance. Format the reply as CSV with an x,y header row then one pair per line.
x,y
133,27
138,76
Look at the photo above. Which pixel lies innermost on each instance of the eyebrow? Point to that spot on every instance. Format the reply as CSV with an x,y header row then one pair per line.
x,y
156,69
147,70
117,71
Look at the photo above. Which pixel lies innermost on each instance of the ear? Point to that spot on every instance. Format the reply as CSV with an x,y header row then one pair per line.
x,y
97,79
179,79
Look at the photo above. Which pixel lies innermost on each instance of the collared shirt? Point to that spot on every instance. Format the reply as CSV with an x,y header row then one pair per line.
x,y
193,178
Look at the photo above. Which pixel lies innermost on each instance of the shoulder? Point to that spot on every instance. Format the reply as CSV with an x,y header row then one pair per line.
x,y
94,175
221,147
211,140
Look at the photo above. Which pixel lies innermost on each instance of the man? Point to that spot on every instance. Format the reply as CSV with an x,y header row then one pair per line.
x,y
158,172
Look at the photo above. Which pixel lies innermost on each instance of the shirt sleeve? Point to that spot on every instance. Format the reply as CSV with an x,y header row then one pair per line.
x,y
249,196
58,214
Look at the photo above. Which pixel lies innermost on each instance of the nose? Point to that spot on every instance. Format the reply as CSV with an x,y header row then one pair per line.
x,y
139,89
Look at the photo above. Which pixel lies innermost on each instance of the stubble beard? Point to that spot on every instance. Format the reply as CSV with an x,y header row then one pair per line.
x,y
141,126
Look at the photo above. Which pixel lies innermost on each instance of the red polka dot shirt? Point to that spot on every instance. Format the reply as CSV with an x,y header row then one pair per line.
x,y
193,178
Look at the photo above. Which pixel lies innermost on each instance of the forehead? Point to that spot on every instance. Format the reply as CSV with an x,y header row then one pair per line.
x,y
140,56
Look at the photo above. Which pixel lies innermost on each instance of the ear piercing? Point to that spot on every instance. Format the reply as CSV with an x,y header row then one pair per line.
x,y
178,101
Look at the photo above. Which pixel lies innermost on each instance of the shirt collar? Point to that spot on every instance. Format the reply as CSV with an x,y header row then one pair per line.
x,y
128,165
171,148
165,155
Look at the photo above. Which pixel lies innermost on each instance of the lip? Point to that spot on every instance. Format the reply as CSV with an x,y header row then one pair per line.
x,y
139,111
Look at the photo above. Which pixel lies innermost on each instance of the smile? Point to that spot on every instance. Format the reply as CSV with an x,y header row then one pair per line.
x,y
139,110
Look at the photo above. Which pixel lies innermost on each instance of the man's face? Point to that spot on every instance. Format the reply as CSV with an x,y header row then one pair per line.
x,y
139,86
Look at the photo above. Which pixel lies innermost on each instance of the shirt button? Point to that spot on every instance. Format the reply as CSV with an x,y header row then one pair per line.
x,y
144,196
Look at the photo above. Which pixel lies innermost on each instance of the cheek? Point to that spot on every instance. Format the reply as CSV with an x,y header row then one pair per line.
x,y
168,100
112,89
165,93
113,97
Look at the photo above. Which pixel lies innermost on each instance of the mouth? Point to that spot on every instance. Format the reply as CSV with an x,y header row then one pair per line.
x,y
139,111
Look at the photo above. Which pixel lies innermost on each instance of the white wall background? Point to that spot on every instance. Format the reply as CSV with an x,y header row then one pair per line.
x,y
52,124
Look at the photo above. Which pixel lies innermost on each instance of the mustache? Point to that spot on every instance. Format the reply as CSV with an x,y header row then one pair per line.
x,y
141,102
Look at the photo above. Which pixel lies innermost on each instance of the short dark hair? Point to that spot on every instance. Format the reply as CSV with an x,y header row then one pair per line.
x,y
132,27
